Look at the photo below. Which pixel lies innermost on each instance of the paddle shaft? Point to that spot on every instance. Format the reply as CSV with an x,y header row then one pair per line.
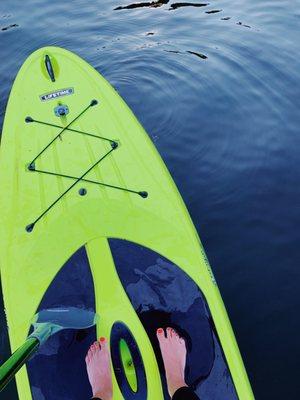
x,y
17,360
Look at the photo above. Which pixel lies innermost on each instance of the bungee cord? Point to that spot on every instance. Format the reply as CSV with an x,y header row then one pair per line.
x,y
32,164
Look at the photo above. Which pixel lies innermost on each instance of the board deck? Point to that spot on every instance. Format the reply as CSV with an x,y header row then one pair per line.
x,y
91,181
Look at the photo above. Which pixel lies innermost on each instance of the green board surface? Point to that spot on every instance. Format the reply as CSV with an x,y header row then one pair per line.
x,y
48,213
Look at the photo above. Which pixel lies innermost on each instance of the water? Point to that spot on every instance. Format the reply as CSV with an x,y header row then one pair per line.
x,y
226,126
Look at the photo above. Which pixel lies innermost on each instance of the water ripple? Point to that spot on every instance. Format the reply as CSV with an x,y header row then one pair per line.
x,y
221,101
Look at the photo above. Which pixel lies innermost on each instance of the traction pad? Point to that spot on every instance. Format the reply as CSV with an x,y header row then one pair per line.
x,y
161,294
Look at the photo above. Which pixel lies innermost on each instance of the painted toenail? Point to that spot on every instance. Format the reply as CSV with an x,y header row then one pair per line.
x,y
160,330
102,339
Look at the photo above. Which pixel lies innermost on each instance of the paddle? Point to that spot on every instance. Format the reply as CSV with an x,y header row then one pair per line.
x,y
45,324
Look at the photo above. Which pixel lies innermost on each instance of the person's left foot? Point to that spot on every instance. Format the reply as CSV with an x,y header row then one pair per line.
x,y
99,370
173,351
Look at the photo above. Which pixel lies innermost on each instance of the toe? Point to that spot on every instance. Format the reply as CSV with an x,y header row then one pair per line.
x,y
103,342
160,334
89,354
175,334
93,348
170,333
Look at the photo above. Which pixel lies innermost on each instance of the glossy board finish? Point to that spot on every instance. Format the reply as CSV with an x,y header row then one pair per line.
x,y
30,258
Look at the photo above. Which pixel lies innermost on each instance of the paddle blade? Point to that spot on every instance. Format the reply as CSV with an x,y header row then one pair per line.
x,y
66,318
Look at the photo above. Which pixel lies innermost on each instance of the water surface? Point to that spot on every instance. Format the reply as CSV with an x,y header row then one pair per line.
x,y
216,85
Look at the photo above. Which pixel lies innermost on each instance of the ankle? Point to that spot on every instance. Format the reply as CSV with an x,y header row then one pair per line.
x,y
174,385
101,396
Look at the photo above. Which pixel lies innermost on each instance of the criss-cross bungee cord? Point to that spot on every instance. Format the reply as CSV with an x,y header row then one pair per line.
x,y
32,166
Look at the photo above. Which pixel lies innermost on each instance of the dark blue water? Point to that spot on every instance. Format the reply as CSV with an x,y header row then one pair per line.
x,y
219,94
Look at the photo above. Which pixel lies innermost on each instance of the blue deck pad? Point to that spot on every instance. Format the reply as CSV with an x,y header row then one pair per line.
x,y
58,371
163,295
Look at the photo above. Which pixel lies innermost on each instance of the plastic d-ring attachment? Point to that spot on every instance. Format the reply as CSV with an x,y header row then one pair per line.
x,y
61,110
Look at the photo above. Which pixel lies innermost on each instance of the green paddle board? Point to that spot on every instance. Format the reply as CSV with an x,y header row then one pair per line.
x,y
91,218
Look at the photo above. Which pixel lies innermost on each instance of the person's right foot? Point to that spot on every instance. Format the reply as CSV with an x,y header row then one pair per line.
x,y
173,350
99,370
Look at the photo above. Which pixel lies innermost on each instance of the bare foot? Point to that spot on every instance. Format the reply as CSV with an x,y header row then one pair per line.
x,y
173,352
99,370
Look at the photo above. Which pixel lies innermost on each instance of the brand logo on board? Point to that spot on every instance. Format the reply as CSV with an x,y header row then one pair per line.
x,y
56,94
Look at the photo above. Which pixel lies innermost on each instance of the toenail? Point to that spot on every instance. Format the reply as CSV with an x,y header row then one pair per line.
x,y
102,339
160,330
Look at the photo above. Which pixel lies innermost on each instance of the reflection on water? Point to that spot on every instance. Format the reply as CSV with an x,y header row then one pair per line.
x,y
174,6
157,3
227,127
5,28
160,3
203,56
213,11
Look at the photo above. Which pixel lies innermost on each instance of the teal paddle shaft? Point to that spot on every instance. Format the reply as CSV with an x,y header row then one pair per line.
x,y
17,360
